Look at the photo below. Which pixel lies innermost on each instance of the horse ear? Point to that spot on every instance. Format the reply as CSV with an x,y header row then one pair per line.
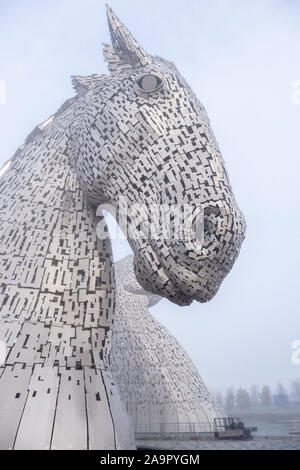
x,y
125,51
82,84
115,63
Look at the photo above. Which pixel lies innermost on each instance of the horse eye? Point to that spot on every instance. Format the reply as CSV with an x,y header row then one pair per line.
x,y
149,83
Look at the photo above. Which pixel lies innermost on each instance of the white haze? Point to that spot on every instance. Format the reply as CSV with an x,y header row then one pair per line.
x,y
241,59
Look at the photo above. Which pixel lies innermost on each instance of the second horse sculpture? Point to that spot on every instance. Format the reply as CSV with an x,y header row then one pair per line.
x,y
140,133
160,386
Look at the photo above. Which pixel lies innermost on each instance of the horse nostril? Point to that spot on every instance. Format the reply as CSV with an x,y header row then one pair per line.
x,y
211,214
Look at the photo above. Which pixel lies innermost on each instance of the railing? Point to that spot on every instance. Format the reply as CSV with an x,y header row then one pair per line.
x,y
174,428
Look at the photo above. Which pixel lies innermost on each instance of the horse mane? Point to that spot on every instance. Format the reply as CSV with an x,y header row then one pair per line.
x,y
81,84
38,130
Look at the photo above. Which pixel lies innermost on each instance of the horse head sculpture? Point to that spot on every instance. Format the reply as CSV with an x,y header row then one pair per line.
x,y
142,134
137,140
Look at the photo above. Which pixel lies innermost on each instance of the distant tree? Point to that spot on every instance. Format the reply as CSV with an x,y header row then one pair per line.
x,y
254,396
219,398
229,400
243,400
266,397
295,390
281,389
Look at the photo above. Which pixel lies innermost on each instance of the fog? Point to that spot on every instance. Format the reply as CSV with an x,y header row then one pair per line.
x,y
241,59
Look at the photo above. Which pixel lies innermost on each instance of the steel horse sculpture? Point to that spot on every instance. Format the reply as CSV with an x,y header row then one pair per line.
x,y
138,132
159,384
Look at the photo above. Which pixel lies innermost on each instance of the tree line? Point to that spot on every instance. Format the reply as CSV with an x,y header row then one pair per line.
x,y
256,398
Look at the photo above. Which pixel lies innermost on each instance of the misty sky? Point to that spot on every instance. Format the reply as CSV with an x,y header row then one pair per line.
x,y
241,58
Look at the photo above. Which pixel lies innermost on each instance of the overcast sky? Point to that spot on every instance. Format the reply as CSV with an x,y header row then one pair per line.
x,y
241,58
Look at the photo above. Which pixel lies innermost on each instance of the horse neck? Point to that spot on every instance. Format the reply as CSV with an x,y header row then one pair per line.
x,y
53,269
